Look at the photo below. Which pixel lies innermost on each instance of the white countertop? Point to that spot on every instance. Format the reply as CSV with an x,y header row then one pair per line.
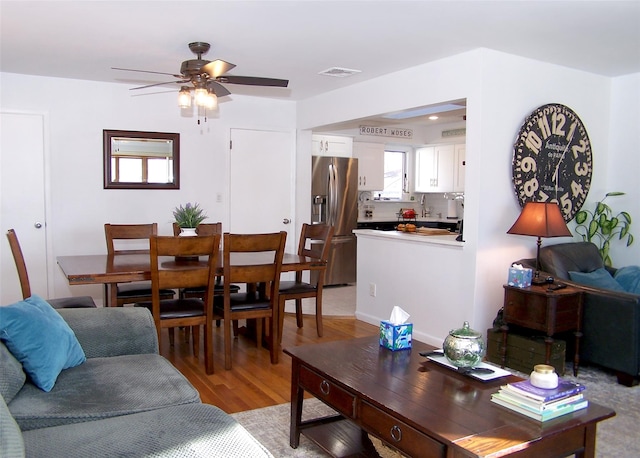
x,y
433,219
410,237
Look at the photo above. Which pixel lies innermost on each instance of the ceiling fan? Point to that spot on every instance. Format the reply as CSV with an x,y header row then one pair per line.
x,y
206,78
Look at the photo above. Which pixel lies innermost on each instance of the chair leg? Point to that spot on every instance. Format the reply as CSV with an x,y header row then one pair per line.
x,y
281,302
319,314
227,343
259,332
171,337
208,348
235,328
299,320
274,348
196,340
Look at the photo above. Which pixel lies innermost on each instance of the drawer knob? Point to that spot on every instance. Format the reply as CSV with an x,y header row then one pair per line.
x,y
324,387
396,433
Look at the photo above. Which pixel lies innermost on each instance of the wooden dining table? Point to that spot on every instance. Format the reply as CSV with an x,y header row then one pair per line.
x,y
123,268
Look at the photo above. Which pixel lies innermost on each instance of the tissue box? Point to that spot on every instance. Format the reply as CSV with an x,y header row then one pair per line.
x,y
395,336
520,278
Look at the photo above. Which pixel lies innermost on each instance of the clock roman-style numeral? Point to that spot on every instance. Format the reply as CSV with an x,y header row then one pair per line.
x,y
543,124
533,142
575,149
557,123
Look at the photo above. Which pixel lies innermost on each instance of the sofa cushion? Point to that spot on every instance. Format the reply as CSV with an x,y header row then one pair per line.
x,y
103,387
40,339
195,430
12,377
629,278
599,278
11,443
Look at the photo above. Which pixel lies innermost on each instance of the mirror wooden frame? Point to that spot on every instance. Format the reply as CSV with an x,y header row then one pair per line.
x,y
107,137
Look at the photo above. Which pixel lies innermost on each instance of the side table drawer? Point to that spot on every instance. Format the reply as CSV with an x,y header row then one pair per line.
x,y
399,434
332,394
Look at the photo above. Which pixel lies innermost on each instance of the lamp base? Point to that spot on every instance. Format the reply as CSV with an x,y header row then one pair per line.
x,y
538,280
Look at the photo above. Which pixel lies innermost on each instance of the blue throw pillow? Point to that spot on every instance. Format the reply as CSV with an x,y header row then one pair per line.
x,y
40,339
629,278
599,278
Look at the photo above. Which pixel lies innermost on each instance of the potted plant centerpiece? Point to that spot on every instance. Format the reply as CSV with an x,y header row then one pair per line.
x,y
188,217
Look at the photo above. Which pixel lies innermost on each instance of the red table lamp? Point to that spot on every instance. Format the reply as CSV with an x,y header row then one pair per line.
x,y
540,219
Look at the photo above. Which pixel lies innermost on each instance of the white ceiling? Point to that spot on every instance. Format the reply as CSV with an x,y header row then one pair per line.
x,y
296,40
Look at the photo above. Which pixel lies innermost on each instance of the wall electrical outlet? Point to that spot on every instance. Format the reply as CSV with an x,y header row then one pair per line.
x,y
372,289
219,197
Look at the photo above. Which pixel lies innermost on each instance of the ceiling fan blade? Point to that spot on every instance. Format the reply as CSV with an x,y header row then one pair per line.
x,y
159,84
252,81
217,67
218,88
146,71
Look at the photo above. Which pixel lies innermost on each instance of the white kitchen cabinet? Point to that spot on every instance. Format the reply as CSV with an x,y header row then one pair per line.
x,y
370,165
331,145
440,168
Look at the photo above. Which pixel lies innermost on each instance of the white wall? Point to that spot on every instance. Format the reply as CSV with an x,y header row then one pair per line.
x,y
623,163
78,111
501,90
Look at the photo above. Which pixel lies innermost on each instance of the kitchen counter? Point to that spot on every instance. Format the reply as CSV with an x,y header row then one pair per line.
x,y
411,237
431,219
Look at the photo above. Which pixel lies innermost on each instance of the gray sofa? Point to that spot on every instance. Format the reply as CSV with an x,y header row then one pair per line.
x,y
611,319
125,400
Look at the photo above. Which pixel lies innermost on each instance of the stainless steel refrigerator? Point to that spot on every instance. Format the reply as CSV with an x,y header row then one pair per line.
x,y
334,201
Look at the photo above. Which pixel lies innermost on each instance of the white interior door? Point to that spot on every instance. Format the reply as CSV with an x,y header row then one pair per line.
x,y
261,195
22,198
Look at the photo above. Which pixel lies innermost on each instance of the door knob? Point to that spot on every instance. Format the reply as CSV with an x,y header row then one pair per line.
x,y
286,221
37,225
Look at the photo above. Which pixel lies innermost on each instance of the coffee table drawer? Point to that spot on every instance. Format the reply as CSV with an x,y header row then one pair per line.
x,y
332,394
398,434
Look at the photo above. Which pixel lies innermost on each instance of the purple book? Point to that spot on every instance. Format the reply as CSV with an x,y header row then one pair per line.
x,y
565,388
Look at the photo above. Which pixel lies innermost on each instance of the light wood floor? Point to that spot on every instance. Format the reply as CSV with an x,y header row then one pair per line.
x,y
254,382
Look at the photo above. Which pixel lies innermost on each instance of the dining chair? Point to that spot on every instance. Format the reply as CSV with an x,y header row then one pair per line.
x,y
25,285
184,273
205,229
252,259
138,235
315,241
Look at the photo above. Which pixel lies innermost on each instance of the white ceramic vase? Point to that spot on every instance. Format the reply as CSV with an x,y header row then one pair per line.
x,y
188,232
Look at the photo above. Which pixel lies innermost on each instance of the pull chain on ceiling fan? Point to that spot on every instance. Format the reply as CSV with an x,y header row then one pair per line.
x,y
206,79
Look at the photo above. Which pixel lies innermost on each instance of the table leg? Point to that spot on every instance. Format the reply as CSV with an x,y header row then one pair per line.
x,y
297,396
505,330
576,354
548,340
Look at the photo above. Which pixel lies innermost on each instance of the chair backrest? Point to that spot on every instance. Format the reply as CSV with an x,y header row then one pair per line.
x,y
253,258
186,273
561,258
128,232
310,238
20,264
202,229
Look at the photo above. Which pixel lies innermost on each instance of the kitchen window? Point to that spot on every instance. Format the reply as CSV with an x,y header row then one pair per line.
x,y
394,175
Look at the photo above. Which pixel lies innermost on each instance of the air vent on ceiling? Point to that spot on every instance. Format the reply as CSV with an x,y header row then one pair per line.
x,y
339,72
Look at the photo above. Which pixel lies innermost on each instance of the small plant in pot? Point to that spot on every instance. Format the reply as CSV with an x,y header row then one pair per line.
x,y
188,217
600,226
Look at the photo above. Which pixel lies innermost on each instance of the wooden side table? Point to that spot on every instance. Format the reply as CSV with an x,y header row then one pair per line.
x,y
541,309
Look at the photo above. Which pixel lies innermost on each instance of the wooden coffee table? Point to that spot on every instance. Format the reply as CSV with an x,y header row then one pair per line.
x,y
419,407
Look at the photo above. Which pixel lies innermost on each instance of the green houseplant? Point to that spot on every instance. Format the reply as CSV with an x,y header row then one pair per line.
x,y
189,216
600,226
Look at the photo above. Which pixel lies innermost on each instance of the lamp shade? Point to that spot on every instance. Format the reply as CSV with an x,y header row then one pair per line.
x,y
540,219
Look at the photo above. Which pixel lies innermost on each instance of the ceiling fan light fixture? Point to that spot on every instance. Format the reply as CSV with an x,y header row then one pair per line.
x,y
211,101
200,96
184,97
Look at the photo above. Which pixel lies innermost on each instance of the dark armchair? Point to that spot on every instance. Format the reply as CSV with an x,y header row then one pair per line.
x,y
611,319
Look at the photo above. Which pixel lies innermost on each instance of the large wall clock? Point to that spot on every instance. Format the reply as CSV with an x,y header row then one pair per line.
x,y
552,159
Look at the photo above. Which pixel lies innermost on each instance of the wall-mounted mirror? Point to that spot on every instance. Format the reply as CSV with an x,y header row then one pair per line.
x,y
141,160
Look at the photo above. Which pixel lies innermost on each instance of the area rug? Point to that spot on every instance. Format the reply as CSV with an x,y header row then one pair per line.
x,y
617,437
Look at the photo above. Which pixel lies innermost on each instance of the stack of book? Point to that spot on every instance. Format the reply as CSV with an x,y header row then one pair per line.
x,y
539,403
